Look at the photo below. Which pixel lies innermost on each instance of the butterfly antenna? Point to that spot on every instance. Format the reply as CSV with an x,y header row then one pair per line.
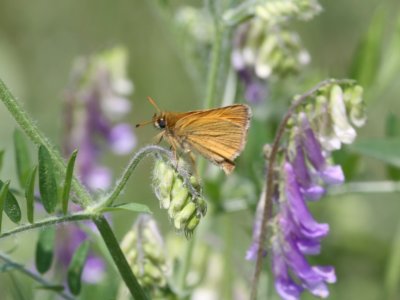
x,y
152,102
143,123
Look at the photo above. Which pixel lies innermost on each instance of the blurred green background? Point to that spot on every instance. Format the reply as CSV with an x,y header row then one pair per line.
x,y
40,39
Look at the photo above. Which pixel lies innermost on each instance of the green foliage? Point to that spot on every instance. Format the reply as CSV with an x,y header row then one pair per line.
x,y
3,195
130,207
22,157
47,180
76,267
68,181
45,249
30,194
1,158
367,58
11,206
383,149
393,131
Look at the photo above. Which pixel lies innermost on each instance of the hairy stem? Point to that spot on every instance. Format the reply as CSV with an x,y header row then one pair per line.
x,y
37,137
267,212
34,276
119,258
121,182
48,222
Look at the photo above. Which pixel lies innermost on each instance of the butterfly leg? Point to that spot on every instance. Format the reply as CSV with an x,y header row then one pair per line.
x,y
174,147
193,163
158,138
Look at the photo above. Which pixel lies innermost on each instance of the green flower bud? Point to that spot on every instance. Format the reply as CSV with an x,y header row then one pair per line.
x,y
183,216
163,180
341,126
358,115
182,191
144,250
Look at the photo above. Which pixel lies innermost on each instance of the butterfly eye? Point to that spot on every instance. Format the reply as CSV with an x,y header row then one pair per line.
x,y
161,123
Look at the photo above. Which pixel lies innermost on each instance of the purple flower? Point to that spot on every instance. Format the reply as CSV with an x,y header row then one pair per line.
x,y
329,174
96,102
297,234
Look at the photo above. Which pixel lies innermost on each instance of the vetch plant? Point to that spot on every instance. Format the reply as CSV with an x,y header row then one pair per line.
x,y
233,223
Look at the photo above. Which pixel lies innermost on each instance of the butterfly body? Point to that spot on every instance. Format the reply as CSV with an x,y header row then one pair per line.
x,y
218,134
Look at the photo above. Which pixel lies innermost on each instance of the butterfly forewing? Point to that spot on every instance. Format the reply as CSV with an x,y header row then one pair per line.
x,y
218,134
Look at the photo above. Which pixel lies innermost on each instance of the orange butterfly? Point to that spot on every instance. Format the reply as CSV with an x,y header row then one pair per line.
x,y
218,134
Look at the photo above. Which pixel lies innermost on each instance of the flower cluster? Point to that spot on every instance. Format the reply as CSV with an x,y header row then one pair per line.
x,y
263,47
304,173
143,248
179,193
95,101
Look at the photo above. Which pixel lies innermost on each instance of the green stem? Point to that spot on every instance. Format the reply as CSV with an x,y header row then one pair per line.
x,y
37,137
48,222
215,56
121,182
187,259
366,188
392,276
119,258
32,275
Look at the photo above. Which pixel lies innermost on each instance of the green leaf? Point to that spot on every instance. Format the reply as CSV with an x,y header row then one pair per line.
x,y
30,194
1,158
132,207
67,182
22,157
44,249
386,150
392,131
54,288
47,180
75,268
3,195
11,206
367,58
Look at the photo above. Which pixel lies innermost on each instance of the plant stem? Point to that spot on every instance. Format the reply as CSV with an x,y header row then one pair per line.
x,y
32,275
267,212
187,259
48,222
366,187
119,258
121,182
37,137
215,56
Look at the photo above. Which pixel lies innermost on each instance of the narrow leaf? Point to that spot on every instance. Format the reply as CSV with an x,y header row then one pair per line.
x,y
386,150
366,60
30,194
1,158
132,207
3,195
44,249
22,157
11,206
67,182
47,180
54,288
392,131
75,268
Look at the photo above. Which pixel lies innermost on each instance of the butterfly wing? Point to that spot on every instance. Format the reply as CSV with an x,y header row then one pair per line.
x,y
217,134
